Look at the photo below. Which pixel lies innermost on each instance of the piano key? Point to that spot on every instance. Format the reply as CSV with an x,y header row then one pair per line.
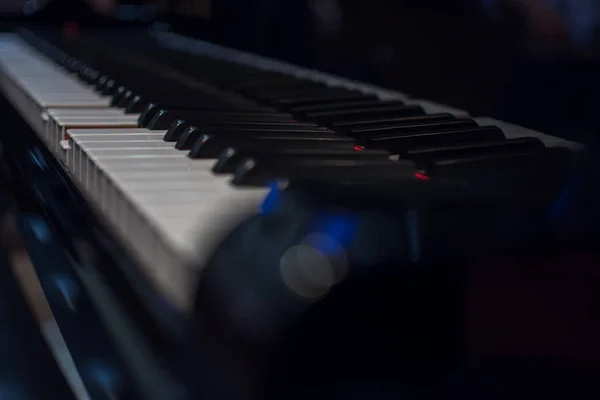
x,y
431,107
164,118
211,146
89,76
526,176
515,131
179,126
59,122
365,101
118,95
99,184
403,142
149,213
135,100
424,157
192,134
105,135
401,129
309,95
259,172
36,85
155,111
169,97
111,141
337,116
236,125
326,97
199,116
161,238
249,87
347,128
129,144
123,100
231,157
84,173
109,87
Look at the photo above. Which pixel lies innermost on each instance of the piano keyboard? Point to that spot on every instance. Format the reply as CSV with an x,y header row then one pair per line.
x,y
144,148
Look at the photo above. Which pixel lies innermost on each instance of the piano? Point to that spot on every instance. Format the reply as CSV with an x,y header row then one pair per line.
x,y
218,224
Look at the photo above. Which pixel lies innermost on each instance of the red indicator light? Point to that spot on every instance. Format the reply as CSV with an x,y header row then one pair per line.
x,y
422,176
358,148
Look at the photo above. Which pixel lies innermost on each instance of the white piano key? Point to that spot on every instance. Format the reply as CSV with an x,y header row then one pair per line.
x,y
34,84
143,192
125,145
74,112
160,213
57,126
133,154
115,141
123,138
113,132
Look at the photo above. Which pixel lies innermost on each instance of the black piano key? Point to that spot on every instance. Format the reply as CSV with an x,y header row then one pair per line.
x,y
396,131
325,97
528,176
163,119
349,127
124,100
109,88
117,95
210,146
232,156
136,104
365,101
273,96
366,113
139,100
403,142
426,157
478,162
178,126
242,73
250,87
147,115
174,97
251,84
89,75
192,134
259,172
73,65
101,82
176,130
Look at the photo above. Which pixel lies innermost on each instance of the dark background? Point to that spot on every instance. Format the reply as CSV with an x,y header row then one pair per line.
x,y
531,62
